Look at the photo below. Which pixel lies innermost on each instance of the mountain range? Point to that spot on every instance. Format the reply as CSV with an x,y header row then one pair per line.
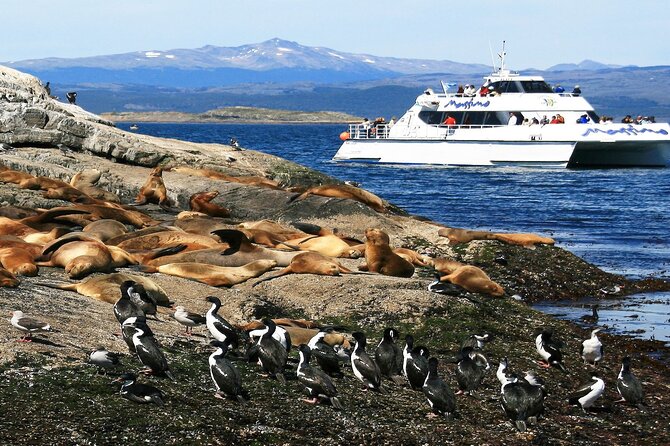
x,y
283,74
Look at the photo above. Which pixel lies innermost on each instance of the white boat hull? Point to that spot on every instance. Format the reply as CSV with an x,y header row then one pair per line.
x,y
559,145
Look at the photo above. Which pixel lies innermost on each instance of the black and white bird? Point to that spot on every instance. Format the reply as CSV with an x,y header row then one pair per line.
x,y
318,385
103,359
549,349
139,393
363,366
446,288
139,296
521,399
591,349
280,335
470,370
28,325
628,385
591,318
225,375
587,393
219,328
440,396
150,354
389,357
270,353
326,357
188,319
125,307
128,330
477,341
415,363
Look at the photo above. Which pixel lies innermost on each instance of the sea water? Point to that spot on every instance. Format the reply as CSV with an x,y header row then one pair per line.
x,y
617,219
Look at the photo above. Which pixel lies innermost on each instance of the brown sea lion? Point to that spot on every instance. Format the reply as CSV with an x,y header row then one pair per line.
x,y
524,239
43,183
380,258
105,229
154,191
7,279
66,193
14,176
215,175
17,212
412,256
165,239
445,266
101,211
345,191
79,255
240,252
106,287
299,335
309,263
86,181
457,235
18,256
214,275
201,202
328,245
474,280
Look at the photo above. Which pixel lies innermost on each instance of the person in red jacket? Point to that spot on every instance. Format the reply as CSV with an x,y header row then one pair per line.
x,y
450,120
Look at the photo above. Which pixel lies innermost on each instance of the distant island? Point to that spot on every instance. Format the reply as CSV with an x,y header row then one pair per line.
x,y
235,114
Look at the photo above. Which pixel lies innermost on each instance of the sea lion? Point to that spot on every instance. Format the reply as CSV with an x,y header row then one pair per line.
x,y
197,223
18,256
106,287
201,202
457,235
154,191
105,229
130,235
7,279
165,239
214,275
14,176
66,193
524,239
328,245
17,212
412,256
302,334
81,255
43,183
99,211
475,280
345,191
86,181
379,258
215,175
309,263
445,266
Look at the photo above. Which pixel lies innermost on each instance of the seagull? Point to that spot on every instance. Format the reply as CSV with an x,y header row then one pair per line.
x,y
28,325
188,319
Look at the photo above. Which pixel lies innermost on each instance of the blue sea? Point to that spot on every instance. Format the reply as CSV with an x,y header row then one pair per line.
x,y
617,219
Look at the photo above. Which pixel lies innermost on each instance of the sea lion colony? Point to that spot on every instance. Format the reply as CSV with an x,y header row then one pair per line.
x,y
220,253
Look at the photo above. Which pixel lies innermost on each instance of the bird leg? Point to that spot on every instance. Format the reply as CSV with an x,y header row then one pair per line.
x,y
311,401
26,338
431,415
219,395
543,364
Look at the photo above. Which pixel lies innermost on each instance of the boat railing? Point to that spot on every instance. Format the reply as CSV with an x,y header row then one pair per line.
x,y
366,131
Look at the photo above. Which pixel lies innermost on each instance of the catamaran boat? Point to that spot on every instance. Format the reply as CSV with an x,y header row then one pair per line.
x,y
485,127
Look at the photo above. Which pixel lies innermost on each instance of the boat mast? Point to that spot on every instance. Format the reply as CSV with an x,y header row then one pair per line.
x,y
502,58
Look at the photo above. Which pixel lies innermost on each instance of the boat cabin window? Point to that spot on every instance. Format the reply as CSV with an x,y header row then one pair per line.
x,y
536,87
465,118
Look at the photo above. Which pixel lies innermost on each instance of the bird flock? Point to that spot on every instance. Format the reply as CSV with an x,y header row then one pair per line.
x,y
322,365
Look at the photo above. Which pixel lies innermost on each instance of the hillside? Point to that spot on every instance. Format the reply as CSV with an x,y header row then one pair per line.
x,y
235,114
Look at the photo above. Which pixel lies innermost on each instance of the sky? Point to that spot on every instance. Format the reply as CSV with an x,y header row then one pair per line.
x,y
538,33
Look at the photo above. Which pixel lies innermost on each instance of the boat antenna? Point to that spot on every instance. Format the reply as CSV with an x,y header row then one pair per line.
x,y
502,57
493,61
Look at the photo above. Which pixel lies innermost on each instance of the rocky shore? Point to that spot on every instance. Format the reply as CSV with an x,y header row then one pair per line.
x,y
49,395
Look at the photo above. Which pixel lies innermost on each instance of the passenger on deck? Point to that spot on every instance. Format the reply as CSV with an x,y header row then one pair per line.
x,y
470,91
460,91
534,121
484,91
450,120
553,120
583,119
559,89
627,119
545,120
576,91
560,119
512,119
